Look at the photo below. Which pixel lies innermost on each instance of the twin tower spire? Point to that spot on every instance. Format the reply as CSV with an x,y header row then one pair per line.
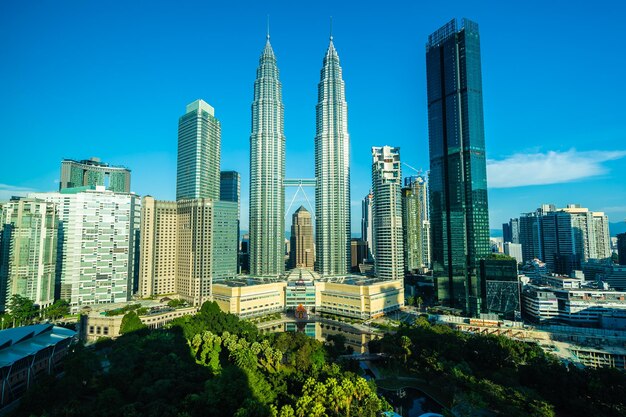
x,y
267,170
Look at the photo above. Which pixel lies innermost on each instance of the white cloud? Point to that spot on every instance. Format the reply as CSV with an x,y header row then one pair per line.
x,y
8,191
548,168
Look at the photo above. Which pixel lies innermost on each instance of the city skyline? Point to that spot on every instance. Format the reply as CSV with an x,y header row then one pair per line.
x,y
575,145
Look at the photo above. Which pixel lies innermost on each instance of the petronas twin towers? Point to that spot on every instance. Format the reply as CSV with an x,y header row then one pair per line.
x,y
267,171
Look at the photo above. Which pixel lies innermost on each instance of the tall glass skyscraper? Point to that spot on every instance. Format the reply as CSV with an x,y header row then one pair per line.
x,y
367,224
230,186
458,175
198,168
332,170
28,246
267,170
230,190
415,223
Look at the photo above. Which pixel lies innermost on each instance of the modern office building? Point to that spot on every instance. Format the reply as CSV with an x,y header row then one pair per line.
x,y
530,236
501,287
574,307
93,172
415,222
29,229
98,237
358,253
621,248
198,167
302,250
459,215
564,237
367,224
267,170
332,170
510,231
159,242
590,232
514,250
244,254
387,187
230,190
230,186
605,272
206,230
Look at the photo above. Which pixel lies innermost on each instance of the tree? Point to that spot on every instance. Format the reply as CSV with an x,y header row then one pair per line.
x,y
59,309
405,343
419,302
131,323
22,309
410,300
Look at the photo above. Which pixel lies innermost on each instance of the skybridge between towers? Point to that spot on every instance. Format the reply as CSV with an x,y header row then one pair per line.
x,y
300,183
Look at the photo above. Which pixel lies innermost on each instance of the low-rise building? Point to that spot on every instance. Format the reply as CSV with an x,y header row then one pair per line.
x,y
575,307
28,352
104,322
559,281
350,296
249,297
359,297
300,289
614,276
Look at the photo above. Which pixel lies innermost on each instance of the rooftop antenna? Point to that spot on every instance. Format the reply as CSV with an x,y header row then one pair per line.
x,y
331,28
268,27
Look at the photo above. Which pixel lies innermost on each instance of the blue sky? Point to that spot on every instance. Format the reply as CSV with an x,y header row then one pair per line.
x,y
110,79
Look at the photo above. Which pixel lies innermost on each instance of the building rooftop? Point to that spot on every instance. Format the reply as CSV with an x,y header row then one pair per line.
x,y
24,341
93,161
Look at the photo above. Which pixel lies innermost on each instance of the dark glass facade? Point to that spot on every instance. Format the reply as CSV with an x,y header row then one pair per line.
x,y
230,190
458,175
621,248
500,287
230,186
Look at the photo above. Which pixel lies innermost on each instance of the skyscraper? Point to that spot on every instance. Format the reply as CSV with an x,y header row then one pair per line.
x,y
198,167
302,251
267,170
230,187
530,225
387,186
230,190
458,175
99,236
29,230
367,224
565,237
415,221
621,248
206,230
93,172
159,242
332,170
510,231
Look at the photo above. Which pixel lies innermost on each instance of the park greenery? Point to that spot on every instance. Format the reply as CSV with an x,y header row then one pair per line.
x,y
22,311
214,364
209,364
478,375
